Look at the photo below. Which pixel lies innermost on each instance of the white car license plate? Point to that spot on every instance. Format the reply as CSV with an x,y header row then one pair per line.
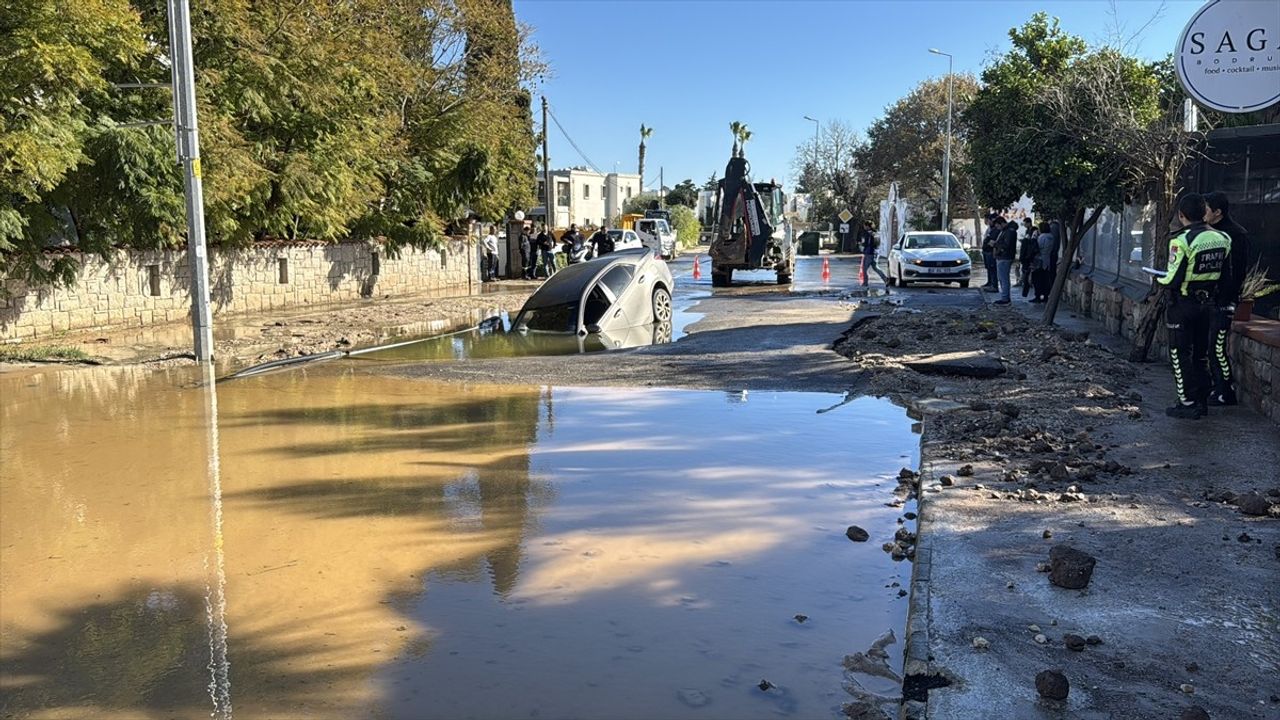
x,y
938,270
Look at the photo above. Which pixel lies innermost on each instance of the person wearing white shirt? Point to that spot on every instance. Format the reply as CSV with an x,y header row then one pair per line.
x,y
489,268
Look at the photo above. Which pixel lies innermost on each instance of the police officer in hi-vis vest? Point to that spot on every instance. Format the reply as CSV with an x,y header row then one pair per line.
x,y
1197,260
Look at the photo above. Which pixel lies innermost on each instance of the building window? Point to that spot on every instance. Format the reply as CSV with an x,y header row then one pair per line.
x,y
562,194
604,191
542,191
586,192
628,192
282,266
153,280
376,262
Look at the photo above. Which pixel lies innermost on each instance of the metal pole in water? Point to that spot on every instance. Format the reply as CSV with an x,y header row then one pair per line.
x,y
188,136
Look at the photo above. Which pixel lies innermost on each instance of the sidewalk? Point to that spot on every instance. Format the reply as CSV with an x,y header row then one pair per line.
x,y
1181,610
273,335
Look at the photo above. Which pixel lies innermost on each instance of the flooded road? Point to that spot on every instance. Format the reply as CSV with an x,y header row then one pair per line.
x,y
329,543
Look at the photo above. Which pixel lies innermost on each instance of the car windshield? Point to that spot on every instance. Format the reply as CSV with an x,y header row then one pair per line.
x,y
939,240
552,318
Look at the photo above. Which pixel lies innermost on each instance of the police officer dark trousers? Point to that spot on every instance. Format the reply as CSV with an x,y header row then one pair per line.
x,y
1219,217
1197,258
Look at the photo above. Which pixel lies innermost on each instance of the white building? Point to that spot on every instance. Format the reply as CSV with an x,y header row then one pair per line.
x,y
587,198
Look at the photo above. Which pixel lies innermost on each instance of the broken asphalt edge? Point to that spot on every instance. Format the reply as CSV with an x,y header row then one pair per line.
x,y
919,674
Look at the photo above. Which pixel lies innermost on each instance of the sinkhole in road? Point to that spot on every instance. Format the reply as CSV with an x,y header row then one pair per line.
x,y
358,545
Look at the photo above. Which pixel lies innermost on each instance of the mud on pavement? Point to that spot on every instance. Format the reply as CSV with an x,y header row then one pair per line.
x,y
1066,444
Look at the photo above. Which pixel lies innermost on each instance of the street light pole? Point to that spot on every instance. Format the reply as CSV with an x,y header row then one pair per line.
x,y
946,158
188,137
816,126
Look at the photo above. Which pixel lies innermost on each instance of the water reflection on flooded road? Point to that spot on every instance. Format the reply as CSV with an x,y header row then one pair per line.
x,y
408,549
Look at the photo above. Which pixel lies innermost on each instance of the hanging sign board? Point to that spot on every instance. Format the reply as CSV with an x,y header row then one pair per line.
x,y
1228,57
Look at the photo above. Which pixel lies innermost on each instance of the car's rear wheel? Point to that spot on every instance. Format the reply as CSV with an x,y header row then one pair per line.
x,y
661,305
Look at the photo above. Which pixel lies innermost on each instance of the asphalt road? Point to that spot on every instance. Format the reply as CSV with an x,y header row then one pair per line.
x,y
754,335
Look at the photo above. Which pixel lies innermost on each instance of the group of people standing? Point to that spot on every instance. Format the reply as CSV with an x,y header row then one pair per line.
x,y
538,253
1033,248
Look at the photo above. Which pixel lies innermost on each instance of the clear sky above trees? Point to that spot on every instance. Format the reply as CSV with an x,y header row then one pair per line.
x,y
618,64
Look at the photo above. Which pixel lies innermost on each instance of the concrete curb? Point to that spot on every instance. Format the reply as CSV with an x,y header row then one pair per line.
x,y
918,670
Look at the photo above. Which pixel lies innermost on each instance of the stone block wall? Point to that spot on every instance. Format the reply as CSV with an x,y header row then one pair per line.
x,y
1254,347
136,288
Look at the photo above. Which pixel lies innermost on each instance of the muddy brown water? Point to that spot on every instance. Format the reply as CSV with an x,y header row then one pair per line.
x,y
329,543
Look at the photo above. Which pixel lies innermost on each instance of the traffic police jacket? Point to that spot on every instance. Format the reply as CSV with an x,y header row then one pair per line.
x,y
1197,259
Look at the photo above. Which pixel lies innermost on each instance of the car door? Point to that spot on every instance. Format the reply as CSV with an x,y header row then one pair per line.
x,y
604,307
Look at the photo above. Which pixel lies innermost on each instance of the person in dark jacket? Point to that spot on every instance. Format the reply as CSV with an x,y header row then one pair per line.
x,y
546,243
869,245
1218,215
526,253
1004,249
601,241
1028,251
1041,275
988,259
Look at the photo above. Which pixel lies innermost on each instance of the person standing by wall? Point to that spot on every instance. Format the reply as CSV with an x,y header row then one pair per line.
x,y
1198,257
526,253
1028,251
546,247
489,268
1004,249
988,258
1218,216
1041,275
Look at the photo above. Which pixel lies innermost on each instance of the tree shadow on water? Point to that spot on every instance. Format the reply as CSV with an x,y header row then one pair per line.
x,y
151,653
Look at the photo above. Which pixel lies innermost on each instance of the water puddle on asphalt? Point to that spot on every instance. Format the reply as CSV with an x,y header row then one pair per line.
x,y
330,543
494,338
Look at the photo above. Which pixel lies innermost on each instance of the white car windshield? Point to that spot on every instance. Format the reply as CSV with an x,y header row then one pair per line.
x,y
923,242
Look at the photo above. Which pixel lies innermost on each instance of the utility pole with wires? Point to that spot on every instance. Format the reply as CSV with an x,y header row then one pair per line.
x,y
187,134
546,171
662,202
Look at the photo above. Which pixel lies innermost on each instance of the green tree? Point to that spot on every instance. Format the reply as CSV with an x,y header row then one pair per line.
x,y
712,183
685,222
55,58
637,204
370,118
645,132
908,142
736,128
684,193
1019,144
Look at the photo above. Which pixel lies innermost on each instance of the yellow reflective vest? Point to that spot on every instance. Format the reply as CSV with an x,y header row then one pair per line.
x,y
1198,254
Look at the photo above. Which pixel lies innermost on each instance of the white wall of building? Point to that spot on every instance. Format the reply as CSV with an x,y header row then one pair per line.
x,y
588,198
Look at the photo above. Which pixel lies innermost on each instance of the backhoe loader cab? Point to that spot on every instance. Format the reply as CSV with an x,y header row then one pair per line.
x,y
751,232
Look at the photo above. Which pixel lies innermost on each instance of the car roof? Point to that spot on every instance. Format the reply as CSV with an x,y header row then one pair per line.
x,y
567,284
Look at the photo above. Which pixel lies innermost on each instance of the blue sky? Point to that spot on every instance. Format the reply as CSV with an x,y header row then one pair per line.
x,y
689,68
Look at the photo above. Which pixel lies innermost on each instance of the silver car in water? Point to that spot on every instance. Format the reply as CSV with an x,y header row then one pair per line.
x,y
605,296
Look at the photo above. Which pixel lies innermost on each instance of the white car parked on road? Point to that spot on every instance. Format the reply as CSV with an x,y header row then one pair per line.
x,y
928,257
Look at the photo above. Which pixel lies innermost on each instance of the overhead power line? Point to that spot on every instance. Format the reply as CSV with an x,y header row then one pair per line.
x,y
564,132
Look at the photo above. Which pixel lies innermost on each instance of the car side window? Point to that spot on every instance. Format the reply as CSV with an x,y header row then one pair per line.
x,y
617,279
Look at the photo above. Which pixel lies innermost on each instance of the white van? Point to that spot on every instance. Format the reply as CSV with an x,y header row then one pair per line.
x,y
657,235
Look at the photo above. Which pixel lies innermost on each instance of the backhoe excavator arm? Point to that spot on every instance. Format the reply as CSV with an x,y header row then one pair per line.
x,y
742,214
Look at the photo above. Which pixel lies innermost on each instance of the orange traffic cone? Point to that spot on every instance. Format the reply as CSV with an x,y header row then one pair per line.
x,y
826,269
697,267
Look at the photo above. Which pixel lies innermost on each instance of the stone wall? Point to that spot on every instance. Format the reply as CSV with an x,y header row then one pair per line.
x,y
139,288
1254,346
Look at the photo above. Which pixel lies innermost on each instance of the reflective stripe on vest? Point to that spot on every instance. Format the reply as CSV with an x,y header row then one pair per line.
x,y
1205,256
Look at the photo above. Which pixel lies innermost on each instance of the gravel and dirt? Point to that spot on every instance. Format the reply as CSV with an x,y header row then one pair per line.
x,y
1069,447
249,339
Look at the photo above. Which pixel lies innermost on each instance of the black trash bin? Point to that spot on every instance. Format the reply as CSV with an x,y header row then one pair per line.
x,y
809,242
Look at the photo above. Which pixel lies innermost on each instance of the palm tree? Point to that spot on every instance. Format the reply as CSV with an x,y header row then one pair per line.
x,y
736,128
746,135
645,132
